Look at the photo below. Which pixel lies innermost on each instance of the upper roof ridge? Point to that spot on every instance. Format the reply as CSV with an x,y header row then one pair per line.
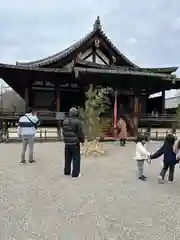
x,y
97,25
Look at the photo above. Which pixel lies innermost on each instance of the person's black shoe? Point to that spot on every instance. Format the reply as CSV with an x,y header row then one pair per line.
x,y
142,178
32,161
23,162
67,174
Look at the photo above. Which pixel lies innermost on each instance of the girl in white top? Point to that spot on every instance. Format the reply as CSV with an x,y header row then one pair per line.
x,y
141,155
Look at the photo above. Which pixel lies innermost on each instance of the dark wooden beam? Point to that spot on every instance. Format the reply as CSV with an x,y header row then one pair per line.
x,y
26,98
87,56
163,101
57,99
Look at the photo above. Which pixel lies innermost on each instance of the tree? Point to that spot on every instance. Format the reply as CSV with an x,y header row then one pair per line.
x,y
97,103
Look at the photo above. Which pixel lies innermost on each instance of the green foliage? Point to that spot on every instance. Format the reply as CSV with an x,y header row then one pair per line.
x,y
96,104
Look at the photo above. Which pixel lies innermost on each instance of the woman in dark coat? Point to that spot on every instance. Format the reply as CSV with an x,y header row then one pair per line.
x,y
169,160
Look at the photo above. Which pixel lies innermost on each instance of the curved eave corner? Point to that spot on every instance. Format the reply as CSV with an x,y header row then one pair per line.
x,y
167,70
174,69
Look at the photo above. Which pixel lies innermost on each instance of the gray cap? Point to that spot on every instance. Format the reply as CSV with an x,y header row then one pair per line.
x,y
73,112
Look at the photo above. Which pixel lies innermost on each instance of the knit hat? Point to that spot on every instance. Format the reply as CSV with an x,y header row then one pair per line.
x,y
73,112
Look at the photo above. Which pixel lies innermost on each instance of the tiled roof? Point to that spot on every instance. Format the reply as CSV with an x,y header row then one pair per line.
x,y
84,66
124,71
162,70
33,68
97,28
150,70
60,55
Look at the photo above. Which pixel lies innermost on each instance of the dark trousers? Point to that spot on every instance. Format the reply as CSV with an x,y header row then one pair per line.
x,y
72,153
171,168
122,142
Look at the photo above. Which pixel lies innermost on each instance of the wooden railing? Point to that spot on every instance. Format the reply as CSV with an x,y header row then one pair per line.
x,y
42,115
50,117
50,134
162,117
51,114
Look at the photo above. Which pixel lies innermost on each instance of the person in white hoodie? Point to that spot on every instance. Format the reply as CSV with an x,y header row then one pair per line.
x,y
26,131
141,155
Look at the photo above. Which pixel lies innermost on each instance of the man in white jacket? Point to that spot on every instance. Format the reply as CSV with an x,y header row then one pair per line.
x,y
141,155
26,131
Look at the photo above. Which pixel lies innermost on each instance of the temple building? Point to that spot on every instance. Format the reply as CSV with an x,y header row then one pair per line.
x,y
60,81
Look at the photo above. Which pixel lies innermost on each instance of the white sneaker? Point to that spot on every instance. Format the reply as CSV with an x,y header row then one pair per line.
x,y
77,177
160,180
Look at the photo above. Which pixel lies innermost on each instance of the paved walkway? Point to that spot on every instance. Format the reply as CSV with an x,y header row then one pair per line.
x,y
108,202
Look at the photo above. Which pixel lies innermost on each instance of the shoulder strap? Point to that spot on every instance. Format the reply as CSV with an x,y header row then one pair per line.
x,y
31,120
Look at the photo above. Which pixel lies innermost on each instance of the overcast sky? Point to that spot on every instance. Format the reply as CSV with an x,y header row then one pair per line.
x,y
146,31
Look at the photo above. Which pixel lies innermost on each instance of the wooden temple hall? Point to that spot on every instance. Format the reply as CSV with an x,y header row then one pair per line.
x,y
57,82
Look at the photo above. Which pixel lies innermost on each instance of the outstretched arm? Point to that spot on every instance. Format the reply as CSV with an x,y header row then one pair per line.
x,y
158,153
81,132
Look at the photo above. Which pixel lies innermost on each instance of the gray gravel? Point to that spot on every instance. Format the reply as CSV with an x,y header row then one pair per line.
x,y
107,202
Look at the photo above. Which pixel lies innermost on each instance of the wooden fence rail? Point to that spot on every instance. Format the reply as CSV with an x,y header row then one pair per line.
x,y
51,134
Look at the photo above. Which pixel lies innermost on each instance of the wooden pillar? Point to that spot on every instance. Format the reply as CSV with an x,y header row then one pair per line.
x,y
143,105
26,98
115,114
58,112
136,116
136,105
163,102
30,95
57,99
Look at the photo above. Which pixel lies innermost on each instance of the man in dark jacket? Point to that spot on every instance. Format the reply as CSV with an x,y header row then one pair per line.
x,y
73,136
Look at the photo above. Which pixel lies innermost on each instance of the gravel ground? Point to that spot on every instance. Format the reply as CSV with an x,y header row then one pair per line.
x,y
107,202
